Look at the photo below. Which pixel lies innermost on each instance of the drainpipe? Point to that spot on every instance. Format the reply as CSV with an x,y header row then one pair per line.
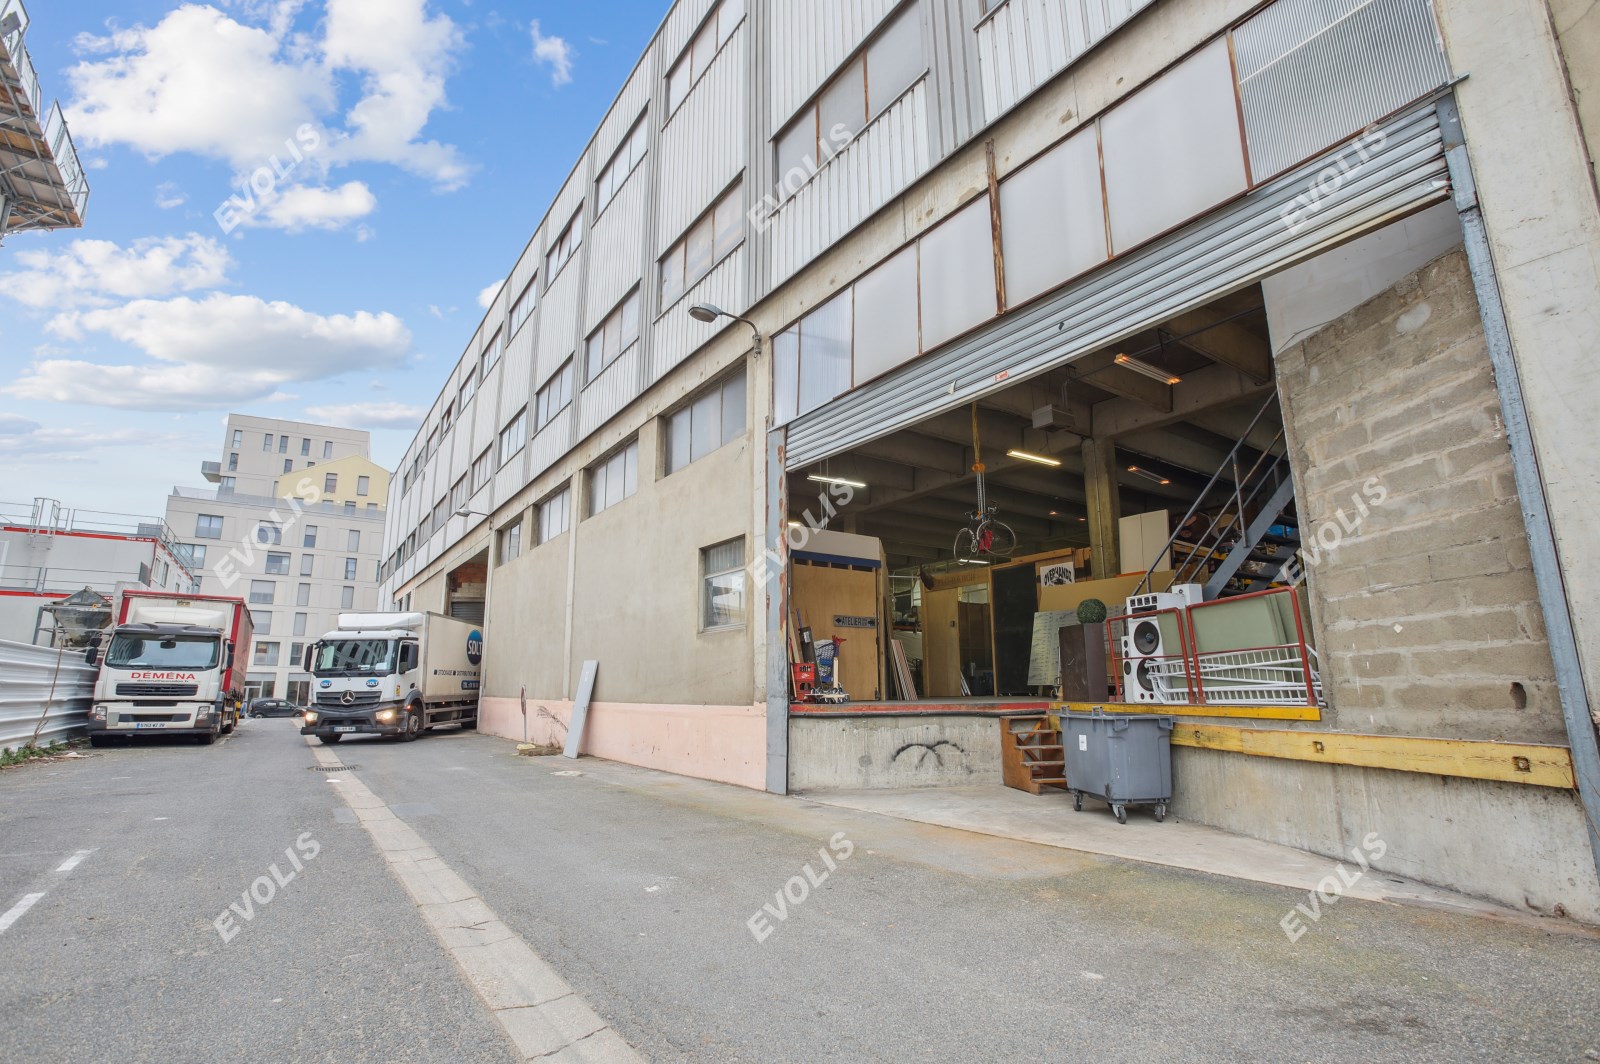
x,y
1530,482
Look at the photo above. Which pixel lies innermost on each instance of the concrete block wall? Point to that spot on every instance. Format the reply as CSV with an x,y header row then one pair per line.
x,y
1421,587
849,754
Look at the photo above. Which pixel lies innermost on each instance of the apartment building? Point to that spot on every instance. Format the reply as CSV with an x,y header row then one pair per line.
x,y
295,527
1271,301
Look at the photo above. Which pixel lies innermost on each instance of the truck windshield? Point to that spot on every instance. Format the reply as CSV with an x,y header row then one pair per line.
x,y
186,653
350,657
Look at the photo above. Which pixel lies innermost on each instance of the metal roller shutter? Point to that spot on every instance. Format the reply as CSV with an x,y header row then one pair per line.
x,y
1234,247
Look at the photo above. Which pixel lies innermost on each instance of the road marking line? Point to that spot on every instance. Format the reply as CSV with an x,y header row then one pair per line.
x,y
28,901
538,1010
74,861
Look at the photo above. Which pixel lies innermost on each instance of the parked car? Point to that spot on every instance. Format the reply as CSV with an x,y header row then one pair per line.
x,y
274,707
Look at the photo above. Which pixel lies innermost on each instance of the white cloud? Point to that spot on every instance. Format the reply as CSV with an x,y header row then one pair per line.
x,y
487,296
76,445
555,53
369,415
211,353
169,195
300,207
16,425
96,272
200,81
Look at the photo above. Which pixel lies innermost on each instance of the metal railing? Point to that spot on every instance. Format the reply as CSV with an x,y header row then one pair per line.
x,y
47,517
42,682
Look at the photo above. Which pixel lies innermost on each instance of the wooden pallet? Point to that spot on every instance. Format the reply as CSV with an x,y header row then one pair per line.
x,y
1032,757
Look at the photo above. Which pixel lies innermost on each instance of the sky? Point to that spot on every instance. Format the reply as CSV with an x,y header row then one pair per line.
x,y
298,209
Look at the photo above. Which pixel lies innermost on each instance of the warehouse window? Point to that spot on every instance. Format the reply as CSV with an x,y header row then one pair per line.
x,y
554,397
491,358
722,582
628,156
615,335
699,53
511,542
513,437
460,493
555,513
522,309
563,247
482,469
859,93
614,479
710,240
713,418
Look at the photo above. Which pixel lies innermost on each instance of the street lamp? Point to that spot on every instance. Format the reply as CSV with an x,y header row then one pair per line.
x,y
464,512
710,312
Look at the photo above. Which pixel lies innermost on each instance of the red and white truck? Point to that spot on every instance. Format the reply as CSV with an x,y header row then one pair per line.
x,y
171,665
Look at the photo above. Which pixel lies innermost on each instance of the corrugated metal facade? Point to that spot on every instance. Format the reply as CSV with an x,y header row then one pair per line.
x,y
27,674
1025,43
810,40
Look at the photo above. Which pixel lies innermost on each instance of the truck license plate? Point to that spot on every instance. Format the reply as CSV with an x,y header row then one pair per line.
x,y
137,726
343,731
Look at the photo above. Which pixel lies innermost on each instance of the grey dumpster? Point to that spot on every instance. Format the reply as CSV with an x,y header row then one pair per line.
x,y
1120,759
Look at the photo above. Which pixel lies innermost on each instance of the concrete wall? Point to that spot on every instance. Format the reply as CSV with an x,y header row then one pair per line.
x,y
1427,611
849,754
1577,24
1521,846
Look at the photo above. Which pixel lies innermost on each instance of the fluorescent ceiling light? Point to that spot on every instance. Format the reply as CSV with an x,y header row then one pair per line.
x,y
820,479
1157,477
1027,457
1145,368
973,561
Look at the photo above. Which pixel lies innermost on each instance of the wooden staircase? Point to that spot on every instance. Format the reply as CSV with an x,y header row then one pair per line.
x,y
1032,758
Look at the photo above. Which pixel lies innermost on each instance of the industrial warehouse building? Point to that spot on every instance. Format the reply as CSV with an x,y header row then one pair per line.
x,y
1279,311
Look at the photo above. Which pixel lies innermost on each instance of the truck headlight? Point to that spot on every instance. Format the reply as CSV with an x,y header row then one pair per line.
x,y
312,716
385,715
98,713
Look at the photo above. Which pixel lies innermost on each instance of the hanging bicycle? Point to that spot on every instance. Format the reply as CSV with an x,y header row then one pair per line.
x,y
986,537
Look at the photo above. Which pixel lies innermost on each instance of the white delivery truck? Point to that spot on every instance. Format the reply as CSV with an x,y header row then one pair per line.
x,y
394,674
172,665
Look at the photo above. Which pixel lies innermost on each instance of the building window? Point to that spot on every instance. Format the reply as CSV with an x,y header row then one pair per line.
x,y
269,534
491,358
469,386
713,418
363,486
511,542
864,89
262,592
197,555
266,443
554,397
628,156
615,335
563,247
238,438
308,565
297,657
349,506
283,445
267,653
302,595
300,624
288,465
525,305
697,57
350,569
460,494
305,448
327,448
347,598
710,240
233,462
207,526
330,483
261,621
555,513
482,469
371,507
614,479
353,541
446,418
277,564
514,437
310,539
722,582
228,486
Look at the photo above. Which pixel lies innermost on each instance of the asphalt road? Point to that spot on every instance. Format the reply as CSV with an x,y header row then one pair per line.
x,y
924,944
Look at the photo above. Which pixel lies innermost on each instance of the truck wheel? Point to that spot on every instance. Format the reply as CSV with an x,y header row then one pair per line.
x,y
413,727
210,737
233,722
329,740
99,741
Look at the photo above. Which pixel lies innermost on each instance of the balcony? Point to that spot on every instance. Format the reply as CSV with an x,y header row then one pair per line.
x,y
42,184
212,471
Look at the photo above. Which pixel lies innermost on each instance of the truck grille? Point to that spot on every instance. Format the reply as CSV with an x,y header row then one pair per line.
x,y
157,690
153,718
359,698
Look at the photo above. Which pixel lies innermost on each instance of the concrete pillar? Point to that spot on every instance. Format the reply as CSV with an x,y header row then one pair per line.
x,y
1105,506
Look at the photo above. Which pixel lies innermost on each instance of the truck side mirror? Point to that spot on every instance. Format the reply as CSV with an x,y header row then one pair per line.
x,y
228,658
310,656
92,655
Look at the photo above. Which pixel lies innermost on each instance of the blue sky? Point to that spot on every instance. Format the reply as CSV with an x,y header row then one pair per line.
x,y
410,147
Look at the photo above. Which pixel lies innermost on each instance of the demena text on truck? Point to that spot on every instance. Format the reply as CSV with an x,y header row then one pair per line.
x,y
172,665
393,674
